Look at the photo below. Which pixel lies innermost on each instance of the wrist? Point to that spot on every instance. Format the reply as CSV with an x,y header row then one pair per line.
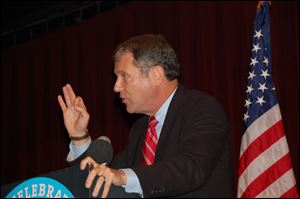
x,y
123,177
80,142
81,137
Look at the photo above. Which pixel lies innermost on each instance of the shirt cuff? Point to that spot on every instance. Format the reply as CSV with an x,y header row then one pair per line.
x,y
133,184
76,151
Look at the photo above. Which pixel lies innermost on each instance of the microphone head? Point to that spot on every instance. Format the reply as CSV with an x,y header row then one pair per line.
x,y
101,150
104,138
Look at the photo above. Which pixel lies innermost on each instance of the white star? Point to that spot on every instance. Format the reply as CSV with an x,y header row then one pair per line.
x,y
273,88
248,103
246,116
265,73
266,61
258,34
251,75
253,61
256,47
260,100
262,87
249,89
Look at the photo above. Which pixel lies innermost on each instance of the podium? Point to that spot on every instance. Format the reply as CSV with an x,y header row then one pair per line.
x,y
69,182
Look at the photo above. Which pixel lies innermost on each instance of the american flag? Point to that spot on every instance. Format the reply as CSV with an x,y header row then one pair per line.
x,y
265,168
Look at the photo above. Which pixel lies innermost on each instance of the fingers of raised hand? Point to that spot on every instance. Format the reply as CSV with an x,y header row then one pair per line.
x,y
67,96
79,106
70,92
78,101
61,103
81,103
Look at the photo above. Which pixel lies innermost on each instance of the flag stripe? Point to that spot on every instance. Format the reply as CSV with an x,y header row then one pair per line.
x,y
280,186
259,145
261,163
269,176
290,193
260,125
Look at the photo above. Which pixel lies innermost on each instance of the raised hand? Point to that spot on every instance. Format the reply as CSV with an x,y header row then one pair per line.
x,y
76,117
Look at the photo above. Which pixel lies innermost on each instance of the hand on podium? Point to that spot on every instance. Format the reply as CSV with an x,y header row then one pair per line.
x,y
106,176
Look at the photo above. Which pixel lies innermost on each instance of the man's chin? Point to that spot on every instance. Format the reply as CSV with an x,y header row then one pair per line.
x,y
132,110
129,110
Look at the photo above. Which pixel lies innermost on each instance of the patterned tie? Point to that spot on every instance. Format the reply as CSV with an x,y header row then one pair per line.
x,y
150,143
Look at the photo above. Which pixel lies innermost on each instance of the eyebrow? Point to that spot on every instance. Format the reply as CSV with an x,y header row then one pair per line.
x,y
120,73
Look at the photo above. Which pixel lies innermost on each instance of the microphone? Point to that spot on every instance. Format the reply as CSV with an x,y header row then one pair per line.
x,y
101,150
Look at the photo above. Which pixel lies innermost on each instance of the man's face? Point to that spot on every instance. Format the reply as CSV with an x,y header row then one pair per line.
x,y
136,89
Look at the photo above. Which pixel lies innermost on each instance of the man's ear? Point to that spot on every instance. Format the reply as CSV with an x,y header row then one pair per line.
x,y
157,74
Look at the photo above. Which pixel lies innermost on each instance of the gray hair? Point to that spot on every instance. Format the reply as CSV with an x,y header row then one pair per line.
x,y
150,50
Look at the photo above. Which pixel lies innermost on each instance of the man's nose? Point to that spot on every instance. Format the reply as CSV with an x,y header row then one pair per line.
x,y
117,86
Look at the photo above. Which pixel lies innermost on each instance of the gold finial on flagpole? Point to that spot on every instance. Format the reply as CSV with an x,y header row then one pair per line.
x,y
260,3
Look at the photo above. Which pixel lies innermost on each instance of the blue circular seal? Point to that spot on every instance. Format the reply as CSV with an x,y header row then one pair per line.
x,y
40,187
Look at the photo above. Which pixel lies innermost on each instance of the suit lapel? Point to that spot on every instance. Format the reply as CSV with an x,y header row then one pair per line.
x,y
140,144
169,119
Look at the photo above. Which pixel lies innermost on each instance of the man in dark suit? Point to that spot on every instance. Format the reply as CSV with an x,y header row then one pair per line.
x,y
180,148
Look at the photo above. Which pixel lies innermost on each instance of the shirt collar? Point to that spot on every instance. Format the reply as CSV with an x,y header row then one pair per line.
x,y
162,112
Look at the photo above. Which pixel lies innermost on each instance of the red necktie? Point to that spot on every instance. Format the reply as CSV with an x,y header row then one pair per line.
x,y
150,143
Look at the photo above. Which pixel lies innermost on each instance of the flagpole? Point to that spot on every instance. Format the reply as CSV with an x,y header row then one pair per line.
x,y
259,4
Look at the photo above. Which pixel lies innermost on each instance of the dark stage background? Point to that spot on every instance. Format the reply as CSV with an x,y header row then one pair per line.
x,y
213,43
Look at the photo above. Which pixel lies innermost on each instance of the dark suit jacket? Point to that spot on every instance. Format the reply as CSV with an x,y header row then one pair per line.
x,y
193,156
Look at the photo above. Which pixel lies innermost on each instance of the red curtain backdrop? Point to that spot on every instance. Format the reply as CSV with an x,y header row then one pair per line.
x,y
213,43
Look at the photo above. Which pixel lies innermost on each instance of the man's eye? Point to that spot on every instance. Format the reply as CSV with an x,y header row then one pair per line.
x,y
126,77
